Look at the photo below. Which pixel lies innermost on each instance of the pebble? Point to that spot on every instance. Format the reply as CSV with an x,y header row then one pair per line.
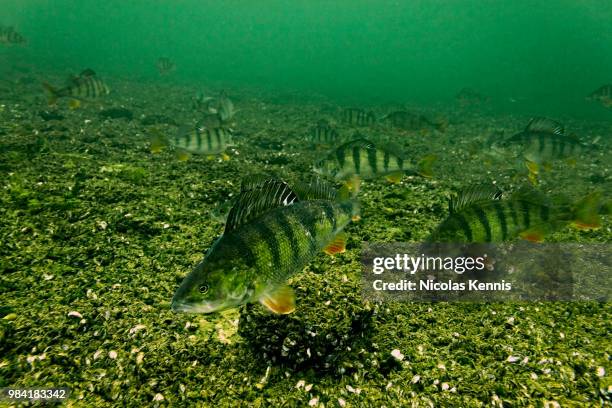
x,y
397,355
137,328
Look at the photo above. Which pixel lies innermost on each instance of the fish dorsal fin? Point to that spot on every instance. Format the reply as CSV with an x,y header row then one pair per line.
x,y
474,194
257,198
255,181
545,125
316,189
88,72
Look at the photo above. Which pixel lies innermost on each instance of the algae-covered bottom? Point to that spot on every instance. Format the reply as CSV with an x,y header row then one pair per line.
x,y
97,233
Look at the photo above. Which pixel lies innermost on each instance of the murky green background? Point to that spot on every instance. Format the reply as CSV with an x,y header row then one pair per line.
x,y
545,54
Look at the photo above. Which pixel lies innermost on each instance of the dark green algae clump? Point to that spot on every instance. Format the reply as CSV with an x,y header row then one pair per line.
x,y
97,234
328,328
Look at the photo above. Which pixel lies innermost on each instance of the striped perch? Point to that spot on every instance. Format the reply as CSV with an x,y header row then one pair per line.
x,y
9,36
273,231
196,140
323,134
479,214
544,141
84,86
358,117
362,158
603,95
165,65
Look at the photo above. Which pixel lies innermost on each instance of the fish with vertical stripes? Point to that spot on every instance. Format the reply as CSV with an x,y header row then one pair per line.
x,y
196,140
481,214
272,232
542,142
364,159
222,106
358,117
323,134
8,36
85,86
603,95
165,65
469,97
226,108
413,121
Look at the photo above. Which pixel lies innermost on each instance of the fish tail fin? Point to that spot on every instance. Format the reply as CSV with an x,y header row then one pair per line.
x,y
52,93
425,165
158,141
585,213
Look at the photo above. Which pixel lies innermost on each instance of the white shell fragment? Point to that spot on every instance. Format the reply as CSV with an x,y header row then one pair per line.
x,y
397,355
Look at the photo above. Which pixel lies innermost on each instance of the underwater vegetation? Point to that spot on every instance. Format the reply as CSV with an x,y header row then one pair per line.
x,y
173,242
98,234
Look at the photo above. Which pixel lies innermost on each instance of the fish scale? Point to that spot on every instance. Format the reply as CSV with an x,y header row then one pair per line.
x,y
492,221
268,243
362,158
203,140
272,232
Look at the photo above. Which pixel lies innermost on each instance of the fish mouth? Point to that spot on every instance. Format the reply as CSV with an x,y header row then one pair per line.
x,y
180,307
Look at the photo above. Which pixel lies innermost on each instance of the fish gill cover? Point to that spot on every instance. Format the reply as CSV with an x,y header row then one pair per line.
x,y
244,158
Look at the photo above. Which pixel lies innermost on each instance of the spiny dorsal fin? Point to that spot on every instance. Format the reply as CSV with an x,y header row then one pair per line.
x,y
545,125
474,194
258,198
255,181
316,189
88,72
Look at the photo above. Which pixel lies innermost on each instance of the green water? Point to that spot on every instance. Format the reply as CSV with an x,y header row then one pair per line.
x,y
550,53
99,224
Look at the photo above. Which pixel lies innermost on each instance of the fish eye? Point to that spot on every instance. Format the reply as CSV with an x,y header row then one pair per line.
x,y
203,289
